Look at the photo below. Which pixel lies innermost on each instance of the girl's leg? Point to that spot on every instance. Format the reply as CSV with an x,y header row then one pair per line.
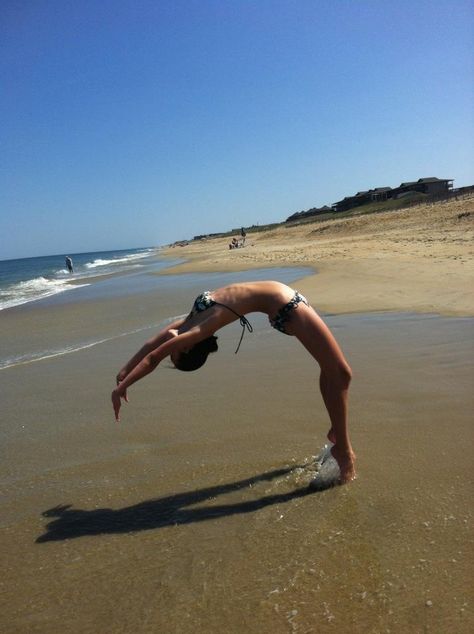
x,y
334,381
325,390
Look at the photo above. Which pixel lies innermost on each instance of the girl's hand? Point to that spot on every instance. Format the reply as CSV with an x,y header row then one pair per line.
x,y
119,378
117,402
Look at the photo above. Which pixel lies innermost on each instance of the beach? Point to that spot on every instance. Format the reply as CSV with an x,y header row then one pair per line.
x,y
416,259
193,515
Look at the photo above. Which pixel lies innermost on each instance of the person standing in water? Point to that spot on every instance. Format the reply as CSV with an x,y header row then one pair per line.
x,y
189,341
69,265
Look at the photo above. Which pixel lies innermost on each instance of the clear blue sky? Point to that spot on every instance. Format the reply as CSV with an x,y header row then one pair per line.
x,y
132,123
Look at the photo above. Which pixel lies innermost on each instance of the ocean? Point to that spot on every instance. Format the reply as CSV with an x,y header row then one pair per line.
x,y
30,279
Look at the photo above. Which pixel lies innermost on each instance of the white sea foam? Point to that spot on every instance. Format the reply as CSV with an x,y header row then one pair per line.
x,y
32,290
126,259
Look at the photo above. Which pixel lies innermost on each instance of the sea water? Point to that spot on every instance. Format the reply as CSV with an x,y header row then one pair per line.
x,y
30,279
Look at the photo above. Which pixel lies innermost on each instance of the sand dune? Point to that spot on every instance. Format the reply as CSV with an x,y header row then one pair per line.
x,y
417,259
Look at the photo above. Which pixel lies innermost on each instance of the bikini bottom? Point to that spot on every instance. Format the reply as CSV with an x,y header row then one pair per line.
x,y
284,314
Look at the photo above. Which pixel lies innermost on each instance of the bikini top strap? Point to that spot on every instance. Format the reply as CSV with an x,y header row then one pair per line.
x,y
244,322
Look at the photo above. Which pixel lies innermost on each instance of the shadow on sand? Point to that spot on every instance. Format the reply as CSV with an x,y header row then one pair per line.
x,y
160,512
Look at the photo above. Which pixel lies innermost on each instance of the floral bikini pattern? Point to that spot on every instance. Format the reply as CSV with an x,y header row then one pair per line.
x,y
283,314
202,302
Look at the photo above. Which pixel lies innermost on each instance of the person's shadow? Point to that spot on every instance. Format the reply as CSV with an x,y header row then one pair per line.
x,y
167,511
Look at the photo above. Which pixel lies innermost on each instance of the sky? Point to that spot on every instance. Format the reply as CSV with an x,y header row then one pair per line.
x,y
129,123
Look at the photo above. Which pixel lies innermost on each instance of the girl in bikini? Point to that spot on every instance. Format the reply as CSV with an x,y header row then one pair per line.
x,y
189,341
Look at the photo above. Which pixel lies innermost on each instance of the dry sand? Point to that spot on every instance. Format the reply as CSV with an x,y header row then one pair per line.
x,y
417,259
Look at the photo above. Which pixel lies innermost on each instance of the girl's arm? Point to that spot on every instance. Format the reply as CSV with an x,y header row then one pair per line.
x,y
151,344
150,362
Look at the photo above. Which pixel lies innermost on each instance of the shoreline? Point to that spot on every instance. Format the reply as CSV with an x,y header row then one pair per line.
x,y
418,259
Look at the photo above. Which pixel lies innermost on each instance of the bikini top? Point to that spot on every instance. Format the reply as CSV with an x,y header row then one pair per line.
x,y
244,322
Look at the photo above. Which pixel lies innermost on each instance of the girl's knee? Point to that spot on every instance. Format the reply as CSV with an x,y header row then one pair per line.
x,y
341,375
348,374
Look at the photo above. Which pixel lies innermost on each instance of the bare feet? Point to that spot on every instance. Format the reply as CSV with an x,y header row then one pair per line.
x,y
345,458
346,461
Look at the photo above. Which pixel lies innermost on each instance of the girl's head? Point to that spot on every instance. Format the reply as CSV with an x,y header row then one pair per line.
x,y
194,358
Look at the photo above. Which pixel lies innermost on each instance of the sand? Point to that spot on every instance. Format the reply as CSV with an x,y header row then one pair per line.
x,y
193,514
418,259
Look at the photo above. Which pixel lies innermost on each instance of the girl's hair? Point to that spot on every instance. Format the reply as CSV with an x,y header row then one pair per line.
x,y
197,356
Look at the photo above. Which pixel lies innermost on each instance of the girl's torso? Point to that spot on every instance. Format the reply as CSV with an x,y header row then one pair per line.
x,y
251,297
243,298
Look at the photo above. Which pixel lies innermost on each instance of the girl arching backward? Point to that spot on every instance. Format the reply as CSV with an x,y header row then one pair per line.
x,y
189,341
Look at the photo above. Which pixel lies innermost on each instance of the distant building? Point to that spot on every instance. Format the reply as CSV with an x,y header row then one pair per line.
x,y
362,198
314,211
380,193
431,186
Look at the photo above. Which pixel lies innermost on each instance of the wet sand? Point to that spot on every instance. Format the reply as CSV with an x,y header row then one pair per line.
x,y
193,514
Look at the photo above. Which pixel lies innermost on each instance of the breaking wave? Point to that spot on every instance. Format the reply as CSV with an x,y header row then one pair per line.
x,y
34,289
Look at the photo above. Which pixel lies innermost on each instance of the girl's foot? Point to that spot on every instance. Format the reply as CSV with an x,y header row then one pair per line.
x,y
346,461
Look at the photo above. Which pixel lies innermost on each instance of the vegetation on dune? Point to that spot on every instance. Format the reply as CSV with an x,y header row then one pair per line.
x,y
392,204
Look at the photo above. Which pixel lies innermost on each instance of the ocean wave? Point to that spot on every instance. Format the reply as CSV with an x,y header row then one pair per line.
x,y
32,290
121,260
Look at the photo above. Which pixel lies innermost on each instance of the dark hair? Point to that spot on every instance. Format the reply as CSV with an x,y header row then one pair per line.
x,y
197,356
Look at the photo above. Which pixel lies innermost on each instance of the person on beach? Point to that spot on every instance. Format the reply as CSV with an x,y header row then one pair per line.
x,y
189,341
69,265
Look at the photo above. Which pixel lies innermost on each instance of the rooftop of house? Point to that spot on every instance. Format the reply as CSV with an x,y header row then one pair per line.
x,y
428,179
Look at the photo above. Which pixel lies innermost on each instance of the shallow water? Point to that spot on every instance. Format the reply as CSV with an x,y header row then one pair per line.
x,y
107,310
193,515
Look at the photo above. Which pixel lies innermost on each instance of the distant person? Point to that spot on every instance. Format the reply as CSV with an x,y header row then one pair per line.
x,y
243,234
69,265
188,342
